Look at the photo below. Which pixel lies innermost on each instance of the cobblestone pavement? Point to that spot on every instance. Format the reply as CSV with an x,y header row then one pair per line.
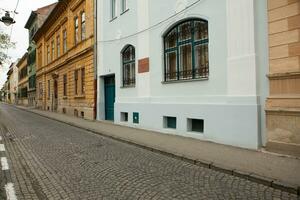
x,y
52,160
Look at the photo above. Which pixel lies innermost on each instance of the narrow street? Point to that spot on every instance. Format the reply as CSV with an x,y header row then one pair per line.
x,y
51,160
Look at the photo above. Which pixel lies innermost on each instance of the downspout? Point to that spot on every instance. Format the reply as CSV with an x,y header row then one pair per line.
x,y
95,58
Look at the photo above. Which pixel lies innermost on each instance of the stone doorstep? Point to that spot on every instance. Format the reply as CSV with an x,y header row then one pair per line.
x,y
248,176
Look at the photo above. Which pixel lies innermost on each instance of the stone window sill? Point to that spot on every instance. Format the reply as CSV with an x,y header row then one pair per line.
x,y
80,96
182,81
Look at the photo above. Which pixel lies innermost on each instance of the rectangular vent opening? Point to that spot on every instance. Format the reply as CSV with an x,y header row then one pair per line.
x,y
196,125
170,122
124,116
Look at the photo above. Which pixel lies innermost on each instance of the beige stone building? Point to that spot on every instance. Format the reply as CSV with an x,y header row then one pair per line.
x,y
65,54
12,85
283,104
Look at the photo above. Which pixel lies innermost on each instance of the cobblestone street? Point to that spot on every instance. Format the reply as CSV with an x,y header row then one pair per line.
x,y
52,160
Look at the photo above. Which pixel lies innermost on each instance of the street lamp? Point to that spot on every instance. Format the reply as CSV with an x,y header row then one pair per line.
x,y
7,20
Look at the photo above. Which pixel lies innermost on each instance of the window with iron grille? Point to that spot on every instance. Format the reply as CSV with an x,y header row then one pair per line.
x,y
186,51
128,60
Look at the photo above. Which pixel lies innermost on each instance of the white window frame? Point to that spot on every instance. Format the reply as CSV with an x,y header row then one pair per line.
x,y
124,6
113,9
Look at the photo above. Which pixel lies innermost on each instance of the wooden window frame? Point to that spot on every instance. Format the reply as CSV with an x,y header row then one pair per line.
x,y
65,85
79,81
76,74
49,89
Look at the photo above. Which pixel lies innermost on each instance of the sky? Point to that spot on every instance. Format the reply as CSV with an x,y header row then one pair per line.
x,y
19,33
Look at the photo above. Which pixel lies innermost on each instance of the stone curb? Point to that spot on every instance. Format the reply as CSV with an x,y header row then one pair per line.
x,y
248,176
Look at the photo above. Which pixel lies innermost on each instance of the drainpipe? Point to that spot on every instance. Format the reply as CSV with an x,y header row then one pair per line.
x,y
95,58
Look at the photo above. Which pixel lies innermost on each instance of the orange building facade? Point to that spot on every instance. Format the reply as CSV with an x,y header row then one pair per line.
x,y
65,60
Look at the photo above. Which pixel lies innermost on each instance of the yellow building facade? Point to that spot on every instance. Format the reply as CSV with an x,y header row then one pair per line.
x,y
23,81
283,104
65,60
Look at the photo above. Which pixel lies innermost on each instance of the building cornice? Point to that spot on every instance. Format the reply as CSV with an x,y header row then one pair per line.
x,y
280,76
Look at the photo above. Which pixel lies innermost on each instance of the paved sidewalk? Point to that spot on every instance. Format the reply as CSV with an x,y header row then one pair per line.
x,y
270,168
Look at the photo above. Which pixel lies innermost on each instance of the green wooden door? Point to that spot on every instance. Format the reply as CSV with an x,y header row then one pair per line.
x,y
109,97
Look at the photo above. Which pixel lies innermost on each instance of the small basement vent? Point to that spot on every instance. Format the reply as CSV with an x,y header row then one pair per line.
x,y
196,125
124,116
170,122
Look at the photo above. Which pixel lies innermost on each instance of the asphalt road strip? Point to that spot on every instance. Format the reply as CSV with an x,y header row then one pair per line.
x,y
10,191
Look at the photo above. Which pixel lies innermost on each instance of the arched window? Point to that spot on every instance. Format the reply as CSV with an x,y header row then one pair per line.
x,y
128,64
186,51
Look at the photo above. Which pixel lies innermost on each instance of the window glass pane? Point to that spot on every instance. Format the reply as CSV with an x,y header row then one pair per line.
x,y
52,50
185,61
201,61
132,73
48,55
113,8
83,28
65,85
170,39
126,79
58,46
76,30
201,30
48,89
82,80
171,66
129,54
129,66
124,5
185,31
76,81
65,41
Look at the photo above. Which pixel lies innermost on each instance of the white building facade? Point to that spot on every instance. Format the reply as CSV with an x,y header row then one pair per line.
x,y
194,68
